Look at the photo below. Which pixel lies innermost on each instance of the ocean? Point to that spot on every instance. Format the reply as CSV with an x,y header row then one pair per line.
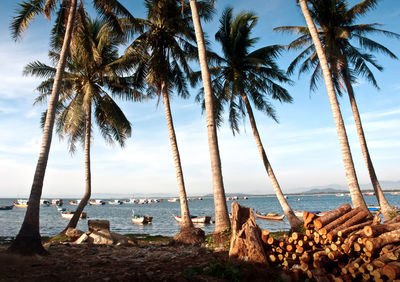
x,y
51,222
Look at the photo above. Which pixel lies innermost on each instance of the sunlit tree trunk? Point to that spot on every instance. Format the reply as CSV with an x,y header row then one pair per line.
x,y
222,221
351,176
383,203
185,214
88,176
28,240
292,218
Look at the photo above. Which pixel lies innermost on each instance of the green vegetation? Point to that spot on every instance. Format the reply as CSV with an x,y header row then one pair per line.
x,y
146,239
216,269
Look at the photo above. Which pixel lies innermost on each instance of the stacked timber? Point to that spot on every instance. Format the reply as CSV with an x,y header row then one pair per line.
x,y
343,245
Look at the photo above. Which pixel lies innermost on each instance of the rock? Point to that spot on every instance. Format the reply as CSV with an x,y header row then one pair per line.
x,y
121,240
246,236
82,239
101,237
97,224
73,233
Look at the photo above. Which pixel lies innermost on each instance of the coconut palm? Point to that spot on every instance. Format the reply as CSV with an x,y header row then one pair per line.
x,y
222,221
352,182
91,72
337,29
243,76
162,53
28,240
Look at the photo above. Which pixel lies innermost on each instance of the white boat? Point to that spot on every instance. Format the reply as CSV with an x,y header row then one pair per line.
x,y
70,214
173,200
115,202
96,202
141,219
45,203
21,203
195,219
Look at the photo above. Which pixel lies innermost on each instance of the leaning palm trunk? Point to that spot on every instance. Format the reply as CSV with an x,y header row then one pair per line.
x,y
383,203
88,127
352,182
185,214
222,221
28,240
292,218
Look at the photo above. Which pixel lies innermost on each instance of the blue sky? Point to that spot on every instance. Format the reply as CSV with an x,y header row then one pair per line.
x,y
303,148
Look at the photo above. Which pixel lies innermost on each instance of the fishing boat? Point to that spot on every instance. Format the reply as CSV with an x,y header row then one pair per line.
x,y
300,213
115,202
173,200
74,203
57,202
141,219
271,216
21,204
5,208
369,194
195,219
96,202
45,203
70,214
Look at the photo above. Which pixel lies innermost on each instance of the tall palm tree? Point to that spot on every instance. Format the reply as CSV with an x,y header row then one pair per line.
x,y
222,221
337,29
161,55
243,75
28,240
352,182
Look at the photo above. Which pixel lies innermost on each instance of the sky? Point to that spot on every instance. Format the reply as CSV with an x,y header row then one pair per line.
x,y
303,147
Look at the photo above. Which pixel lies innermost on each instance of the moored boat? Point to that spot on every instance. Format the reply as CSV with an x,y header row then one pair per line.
x,y
21,204
96,202
142,219
5,208
45,203
271,216
369,194
115,202
173,200
195,219
70,214
57,202
74,203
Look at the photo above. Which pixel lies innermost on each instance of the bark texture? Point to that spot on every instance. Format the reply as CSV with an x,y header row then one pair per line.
x,y
222,221
28,240
352,182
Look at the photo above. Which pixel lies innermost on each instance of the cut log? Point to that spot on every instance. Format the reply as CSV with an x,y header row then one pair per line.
x,y
357,218
310,217
376,230
340,220
392,270
331,216
374,244
348,230
246,243
264,236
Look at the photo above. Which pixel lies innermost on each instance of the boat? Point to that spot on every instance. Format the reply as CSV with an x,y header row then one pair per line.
x,y
74,203
61,209
5,208
143,201
45,203
369,194
195,219
21,204
300,213
96,202
245,198
173,200
57,202
115,202
70,214
141,219
271,216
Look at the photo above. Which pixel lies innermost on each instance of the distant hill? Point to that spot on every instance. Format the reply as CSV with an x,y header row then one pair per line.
x,y
336,188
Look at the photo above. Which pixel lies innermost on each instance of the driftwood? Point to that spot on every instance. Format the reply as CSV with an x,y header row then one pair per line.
x,y
331,216
246,243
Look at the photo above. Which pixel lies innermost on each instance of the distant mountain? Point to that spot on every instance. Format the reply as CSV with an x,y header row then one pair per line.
x,y
336,188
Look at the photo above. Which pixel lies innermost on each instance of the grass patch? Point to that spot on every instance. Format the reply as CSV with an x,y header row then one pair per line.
x,y
56,239
146,239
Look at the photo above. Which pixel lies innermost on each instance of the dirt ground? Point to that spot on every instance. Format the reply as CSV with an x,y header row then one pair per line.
x,y
151,261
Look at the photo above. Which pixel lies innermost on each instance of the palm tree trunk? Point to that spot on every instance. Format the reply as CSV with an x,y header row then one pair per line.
x,y
352,182
28,240
185,214
383,203
292,218
222,221
88,176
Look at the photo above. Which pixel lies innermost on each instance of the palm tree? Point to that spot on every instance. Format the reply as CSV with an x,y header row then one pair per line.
x,y
241,76
28,240
162,54
337,28
222,221
91,71
352,182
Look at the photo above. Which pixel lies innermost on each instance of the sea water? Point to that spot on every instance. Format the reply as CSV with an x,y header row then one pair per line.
x,y
51,222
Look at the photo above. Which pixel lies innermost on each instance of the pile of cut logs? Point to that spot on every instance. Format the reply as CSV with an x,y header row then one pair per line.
x,y
345,244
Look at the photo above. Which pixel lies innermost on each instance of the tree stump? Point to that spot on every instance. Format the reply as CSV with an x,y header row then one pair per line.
x,y
97,224
246,241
